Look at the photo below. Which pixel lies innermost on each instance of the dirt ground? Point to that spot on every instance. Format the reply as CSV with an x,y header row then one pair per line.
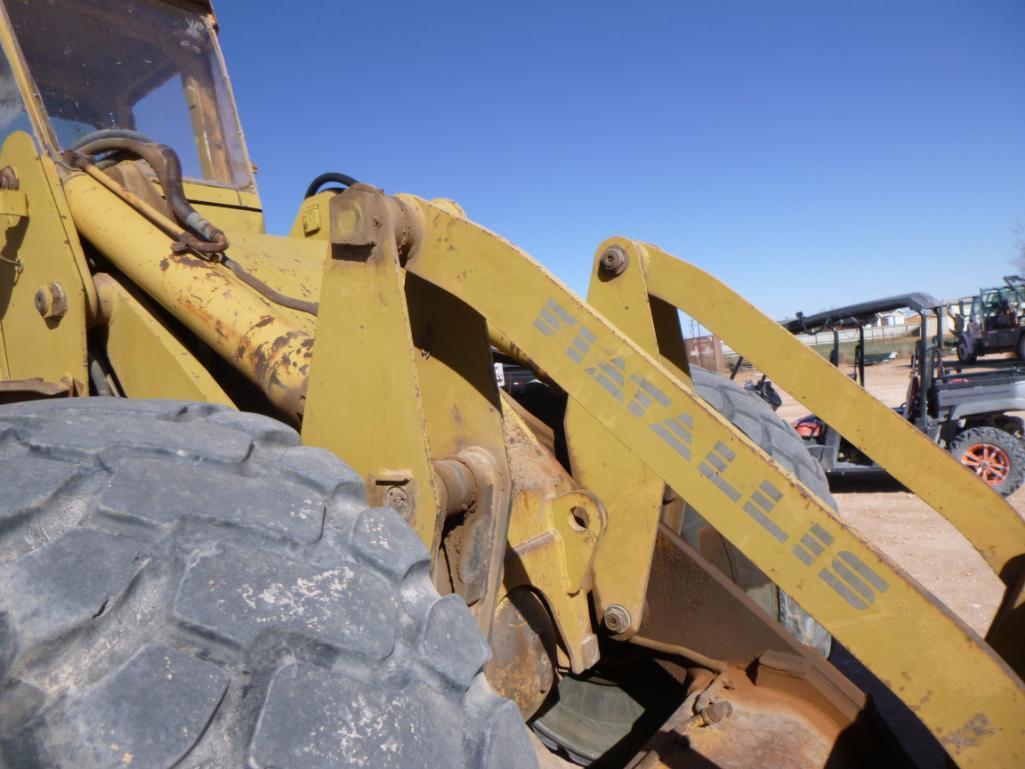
x,y
907,530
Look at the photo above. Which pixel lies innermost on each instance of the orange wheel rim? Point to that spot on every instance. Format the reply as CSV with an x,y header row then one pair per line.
x,y
987,461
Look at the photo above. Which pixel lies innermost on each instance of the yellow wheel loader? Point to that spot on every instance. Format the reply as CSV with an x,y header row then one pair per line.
x,y
263,504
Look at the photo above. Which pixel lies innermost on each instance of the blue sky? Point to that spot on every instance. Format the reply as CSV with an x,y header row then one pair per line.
x,y
810,154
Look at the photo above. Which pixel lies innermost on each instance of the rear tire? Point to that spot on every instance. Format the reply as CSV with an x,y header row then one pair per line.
x,y
994,455
186,585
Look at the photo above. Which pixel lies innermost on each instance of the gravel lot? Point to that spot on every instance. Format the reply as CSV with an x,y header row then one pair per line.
x,y
907,530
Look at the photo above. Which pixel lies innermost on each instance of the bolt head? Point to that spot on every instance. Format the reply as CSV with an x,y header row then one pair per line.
x,y
613,262
398,498
51,301
616,619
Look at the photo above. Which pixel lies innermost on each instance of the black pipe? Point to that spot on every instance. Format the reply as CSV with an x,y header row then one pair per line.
x,y
736,367
925,371
860,356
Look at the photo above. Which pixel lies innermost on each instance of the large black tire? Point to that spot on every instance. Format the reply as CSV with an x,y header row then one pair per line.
x,y
184,585
757,420
994,455
966,352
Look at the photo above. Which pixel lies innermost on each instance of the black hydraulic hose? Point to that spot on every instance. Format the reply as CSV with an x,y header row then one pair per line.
x,y
331,176
165,164
111,133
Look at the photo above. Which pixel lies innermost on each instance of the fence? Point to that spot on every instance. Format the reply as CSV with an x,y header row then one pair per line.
x,y
872,334
709,352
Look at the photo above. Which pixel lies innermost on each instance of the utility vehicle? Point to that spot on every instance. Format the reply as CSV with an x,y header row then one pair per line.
x,y
967,410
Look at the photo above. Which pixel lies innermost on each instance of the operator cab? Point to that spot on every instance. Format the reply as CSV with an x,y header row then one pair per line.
x,y
142,65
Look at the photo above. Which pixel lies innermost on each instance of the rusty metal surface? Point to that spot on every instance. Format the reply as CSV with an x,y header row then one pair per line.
x,y
472,539
758,727
791,707
758,734
246,329
522,664
536,555
457,487
12,391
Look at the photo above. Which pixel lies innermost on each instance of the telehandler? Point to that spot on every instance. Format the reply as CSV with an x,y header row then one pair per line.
x,y
994,322
621,573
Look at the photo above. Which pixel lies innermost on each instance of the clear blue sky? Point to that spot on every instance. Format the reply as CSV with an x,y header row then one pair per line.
x,y
808,153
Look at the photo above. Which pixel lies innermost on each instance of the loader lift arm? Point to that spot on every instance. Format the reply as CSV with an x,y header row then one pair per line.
x,y
981,515
371,325
866,602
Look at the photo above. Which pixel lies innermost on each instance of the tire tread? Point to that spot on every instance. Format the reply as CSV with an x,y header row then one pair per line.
x,y
211,593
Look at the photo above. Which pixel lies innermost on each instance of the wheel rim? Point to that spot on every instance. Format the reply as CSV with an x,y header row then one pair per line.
x,y
989,462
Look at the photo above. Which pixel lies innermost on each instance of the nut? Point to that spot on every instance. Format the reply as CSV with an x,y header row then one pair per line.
x,y
397,497
52,301
616,618
613,262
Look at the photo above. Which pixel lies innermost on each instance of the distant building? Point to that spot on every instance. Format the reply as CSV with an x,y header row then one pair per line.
x,y
895,318
705,351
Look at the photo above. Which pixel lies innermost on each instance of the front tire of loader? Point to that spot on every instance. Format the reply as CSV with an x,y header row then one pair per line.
x,y
186,585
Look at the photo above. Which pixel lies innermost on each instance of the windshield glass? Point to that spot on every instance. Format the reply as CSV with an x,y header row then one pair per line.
x,y
138,64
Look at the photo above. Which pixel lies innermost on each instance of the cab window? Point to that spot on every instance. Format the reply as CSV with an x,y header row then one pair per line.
x,y
142,65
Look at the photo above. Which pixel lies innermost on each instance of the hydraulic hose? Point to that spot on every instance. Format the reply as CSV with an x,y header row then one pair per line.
x,y
165,164
110,133
205,238
331,176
